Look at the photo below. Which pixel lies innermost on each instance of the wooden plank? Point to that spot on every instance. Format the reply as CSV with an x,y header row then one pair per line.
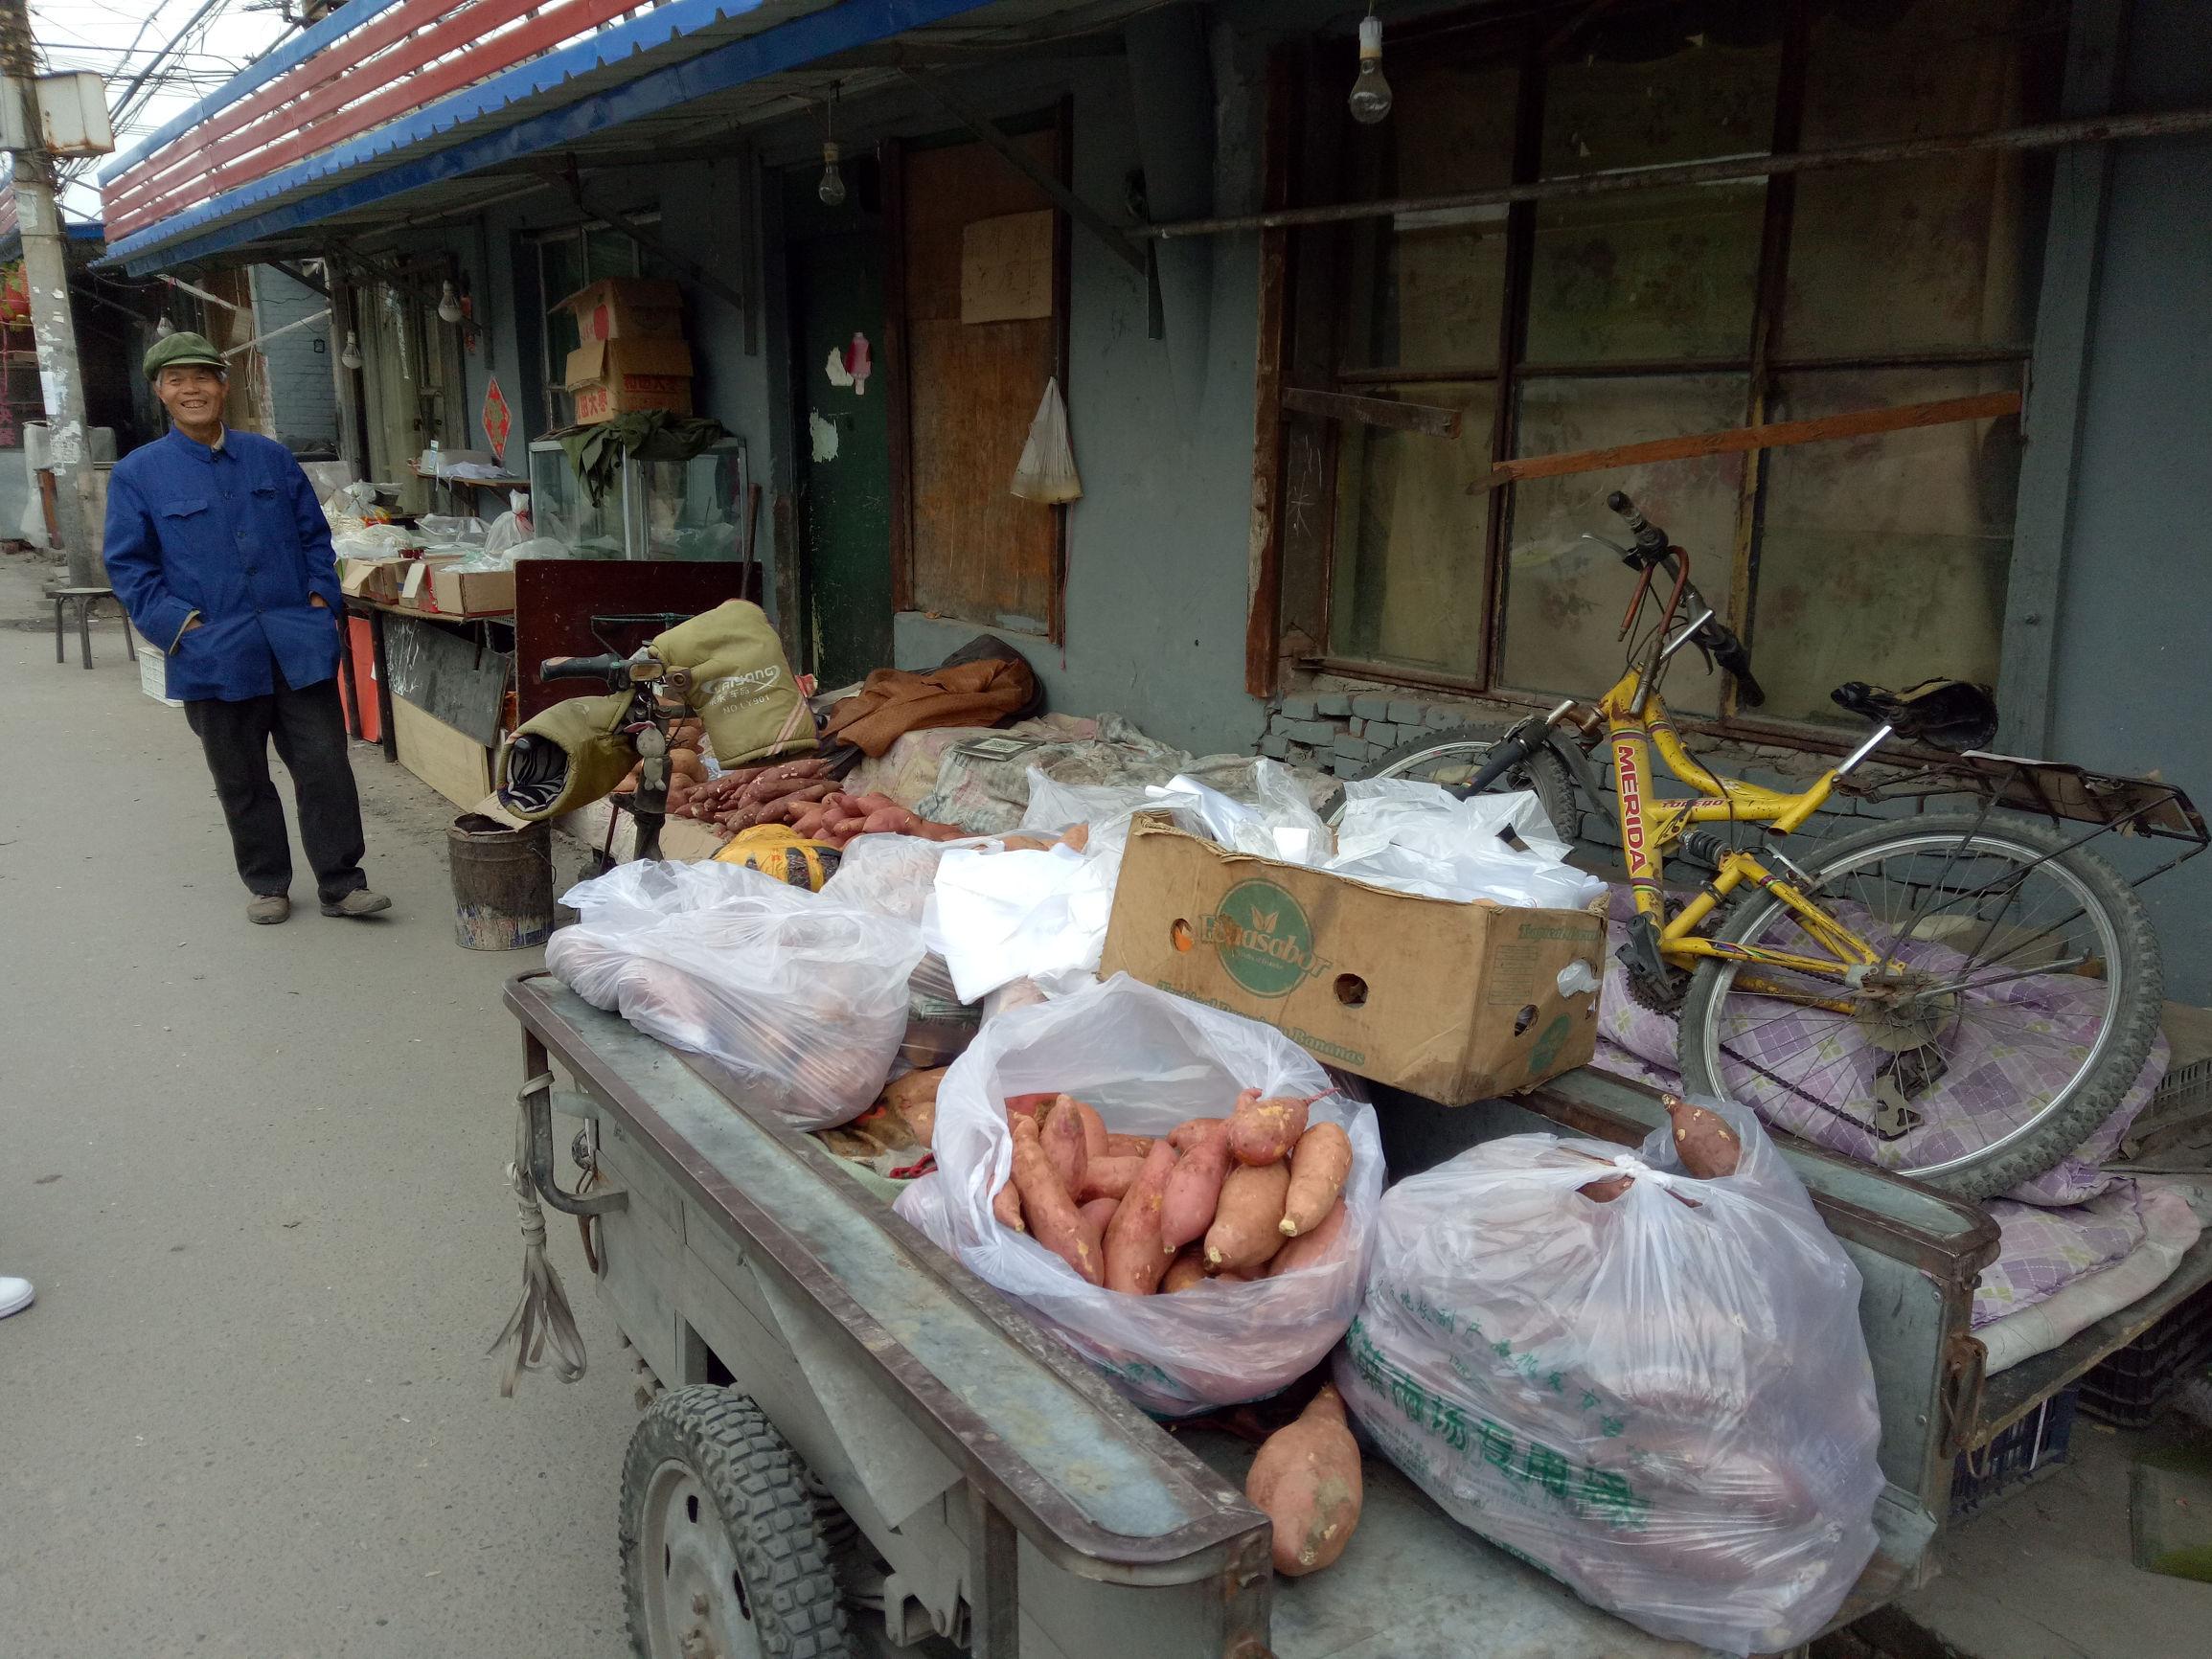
x,y
1392,413
897,369
979,552
1774,435
451,762
1263,579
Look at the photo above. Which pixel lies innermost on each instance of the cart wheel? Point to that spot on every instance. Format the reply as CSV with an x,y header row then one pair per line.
x,y
722,1555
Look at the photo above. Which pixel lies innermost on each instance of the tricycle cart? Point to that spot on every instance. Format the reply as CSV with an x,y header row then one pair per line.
x,y
861,1447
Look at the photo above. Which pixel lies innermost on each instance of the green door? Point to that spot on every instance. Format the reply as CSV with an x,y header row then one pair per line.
x,y
843,436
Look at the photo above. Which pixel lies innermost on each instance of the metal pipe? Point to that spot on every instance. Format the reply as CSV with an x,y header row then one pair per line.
x,y
2049,135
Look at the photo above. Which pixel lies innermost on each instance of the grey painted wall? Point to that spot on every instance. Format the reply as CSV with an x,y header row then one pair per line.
x,y
303,401
2136,612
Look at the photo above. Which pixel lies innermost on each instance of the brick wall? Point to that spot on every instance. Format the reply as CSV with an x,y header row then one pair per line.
x,y
302,408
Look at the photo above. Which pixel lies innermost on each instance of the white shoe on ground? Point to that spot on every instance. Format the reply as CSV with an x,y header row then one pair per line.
x,y
14,1295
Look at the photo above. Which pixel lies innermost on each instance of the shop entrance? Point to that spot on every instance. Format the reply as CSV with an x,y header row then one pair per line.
x,y
843,445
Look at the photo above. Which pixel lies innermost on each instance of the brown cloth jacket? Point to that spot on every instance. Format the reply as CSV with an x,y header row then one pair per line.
x,y
892,702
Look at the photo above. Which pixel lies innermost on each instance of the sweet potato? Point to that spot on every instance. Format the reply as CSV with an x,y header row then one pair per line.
x,y
1312,1248
1263,1132
1006,1206
1134,1261
1247,1227
1126,1145
1185,1134
1051,1213
1605,1189
914,1098
1320,1164
1194,1188
1062,1137
1306,1480
890,821
1094,1130
1108,1178
1185,1270
1096,1214
1028,1104
1708,1147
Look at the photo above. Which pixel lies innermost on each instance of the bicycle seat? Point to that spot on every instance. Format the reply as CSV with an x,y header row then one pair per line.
x,y
1955,714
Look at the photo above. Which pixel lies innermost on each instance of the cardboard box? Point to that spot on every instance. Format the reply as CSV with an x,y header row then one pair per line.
x,y
473,592
627,308
415,582
375,580
451,761
1454,1002
609,377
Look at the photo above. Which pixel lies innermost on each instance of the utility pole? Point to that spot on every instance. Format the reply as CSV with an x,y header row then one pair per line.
x,y
46,273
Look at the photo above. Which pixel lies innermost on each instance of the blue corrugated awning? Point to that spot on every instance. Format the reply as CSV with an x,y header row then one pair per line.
x,y
462,134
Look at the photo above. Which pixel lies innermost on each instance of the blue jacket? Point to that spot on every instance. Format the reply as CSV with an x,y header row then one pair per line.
x,y
235,536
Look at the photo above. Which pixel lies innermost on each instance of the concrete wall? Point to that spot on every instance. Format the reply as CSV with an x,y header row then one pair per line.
x,y
2136,613
302,408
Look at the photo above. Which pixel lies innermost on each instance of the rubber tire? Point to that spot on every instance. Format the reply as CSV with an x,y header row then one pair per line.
x,y
1548,775
2139,999
769,1507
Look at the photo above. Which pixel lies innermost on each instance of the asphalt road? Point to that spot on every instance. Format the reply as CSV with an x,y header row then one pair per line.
x,y
256,1174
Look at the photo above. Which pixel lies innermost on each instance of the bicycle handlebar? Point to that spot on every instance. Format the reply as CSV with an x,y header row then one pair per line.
x,y
1729,652
609,670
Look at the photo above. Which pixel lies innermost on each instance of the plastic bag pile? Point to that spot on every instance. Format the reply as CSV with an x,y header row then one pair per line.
x,y
801,1001
1147,1060
1665,1399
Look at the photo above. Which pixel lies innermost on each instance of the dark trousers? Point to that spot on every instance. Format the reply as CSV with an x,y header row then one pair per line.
x,y
309,731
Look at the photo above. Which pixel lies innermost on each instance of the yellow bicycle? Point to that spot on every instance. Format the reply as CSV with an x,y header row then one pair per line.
x,y
1962,996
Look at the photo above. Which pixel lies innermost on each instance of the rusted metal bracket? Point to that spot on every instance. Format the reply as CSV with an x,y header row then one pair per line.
x,y
1965,1369
536,1098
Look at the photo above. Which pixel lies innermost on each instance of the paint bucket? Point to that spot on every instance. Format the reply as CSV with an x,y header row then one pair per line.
x,y
502,883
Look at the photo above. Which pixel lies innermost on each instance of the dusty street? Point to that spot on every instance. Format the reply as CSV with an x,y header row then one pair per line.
x,y
255,1177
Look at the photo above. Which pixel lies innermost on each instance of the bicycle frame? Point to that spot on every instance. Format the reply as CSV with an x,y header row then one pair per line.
x,y
1637,723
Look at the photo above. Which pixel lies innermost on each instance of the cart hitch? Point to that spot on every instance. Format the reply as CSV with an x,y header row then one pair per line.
x,y
536,1098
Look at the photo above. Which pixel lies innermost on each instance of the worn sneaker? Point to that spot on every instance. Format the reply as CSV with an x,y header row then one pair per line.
x,y
267,909
14,1295
359,903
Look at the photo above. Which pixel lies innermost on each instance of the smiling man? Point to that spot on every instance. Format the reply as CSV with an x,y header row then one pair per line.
x,y
219,550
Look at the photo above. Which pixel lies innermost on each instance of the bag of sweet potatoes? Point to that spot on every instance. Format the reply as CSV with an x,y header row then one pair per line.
x,y
1643,1372
1150,1064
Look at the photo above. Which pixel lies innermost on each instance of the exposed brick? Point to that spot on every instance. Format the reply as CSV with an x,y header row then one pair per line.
x,y
1406,714
1351,748
1344,767
1371,708
1384,735
1299,708
1356,726
1311,732
1336,703
1275,746
1441,716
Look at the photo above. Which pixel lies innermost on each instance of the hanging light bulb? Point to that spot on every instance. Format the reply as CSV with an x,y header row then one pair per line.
x,y
832,186
350,356
164,329
1370,99
448,303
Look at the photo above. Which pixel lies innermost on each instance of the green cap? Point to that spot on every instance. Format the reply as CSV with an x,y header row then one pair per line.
x,y
181,347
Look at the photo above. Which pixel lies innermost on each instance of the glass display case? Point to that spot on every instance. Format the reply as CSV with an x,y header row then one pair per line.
x,y
691,509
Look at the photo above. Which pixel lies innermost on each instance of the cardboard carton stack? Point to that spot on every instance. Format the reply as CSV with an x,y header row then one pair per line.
x,y
633,355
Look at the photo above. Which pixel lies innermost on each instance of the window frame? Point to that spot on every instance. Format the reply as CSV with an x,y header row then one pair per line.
x,y
1536,42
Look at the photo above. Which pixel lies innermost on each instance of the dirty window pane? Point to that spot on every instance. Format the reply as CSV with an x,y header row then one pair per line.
x,y
1564,597
1409,539
1927,254
1650,274
1883,559
1424,291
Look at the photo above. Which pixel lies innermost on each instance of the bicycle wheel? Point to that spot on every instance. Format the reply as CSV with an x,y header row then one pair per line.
x,y
1455,753
2016,999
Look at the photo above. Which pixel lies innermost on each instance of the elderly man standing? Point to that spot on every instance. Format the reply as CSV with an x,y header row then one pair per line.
x,y
219,550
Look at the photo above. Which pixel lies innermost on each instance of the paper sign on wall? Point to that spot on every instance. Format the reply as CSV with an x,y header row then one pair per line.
x,y
1006,267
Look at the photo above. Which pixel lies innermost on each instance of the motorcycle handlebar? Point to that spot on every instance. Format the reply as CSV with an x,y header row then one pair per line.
x,y
608,668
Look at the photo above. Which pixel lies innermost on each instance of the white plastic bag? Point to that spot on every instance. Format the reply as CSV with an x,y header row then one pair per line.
x,y
1147,1060
800,1000
1420,837
1046,470
1283,825
1668,1408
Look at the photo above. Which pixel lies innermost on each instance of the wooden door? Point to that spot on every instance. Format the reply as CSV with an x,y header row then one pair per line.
x,y
976,550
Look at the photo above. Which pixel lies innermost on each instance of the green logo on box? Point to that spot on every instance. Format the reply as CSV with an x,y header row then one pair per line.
x,y
1263,938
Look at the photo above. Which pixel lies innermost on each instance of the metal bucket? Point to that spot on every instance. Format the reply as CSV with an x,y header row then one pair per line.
x,y
502,883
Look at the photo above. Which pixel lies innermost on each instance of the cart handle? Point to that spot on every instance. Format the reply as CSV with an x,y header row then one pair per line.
x,y
537,1101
